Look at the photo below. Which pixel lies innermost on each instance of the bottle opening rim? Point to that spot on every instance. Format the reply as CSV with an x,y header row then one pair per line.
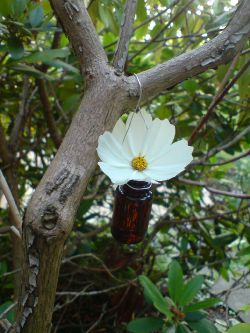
x,y
142,185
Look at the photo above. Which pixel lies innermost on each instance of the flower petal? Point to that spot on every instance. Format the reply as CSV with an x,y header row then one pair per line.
x,y
118,175
119,131
140,175
178,153
136,129
160,136
110,151
164,173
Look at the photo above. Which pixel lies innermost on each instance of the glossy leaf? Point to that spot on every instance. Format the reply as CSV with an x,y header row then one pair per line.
x,y
202,305
145,325
240,328
155,296
182,329
19,7
190,290
36,16
47,55
175,281
15,47
203,326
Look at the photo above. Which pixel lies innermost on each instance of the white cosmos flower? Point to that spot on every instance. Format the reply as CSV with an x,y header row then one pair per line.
x,y
142,150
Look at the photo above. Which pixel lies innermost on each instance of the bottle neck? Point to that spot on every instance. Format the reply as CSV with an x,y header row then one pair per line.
x,y
136,188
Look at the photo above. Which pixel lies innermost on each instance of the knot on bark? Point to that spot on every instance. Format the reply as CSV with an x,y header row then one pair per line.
x,y
50,217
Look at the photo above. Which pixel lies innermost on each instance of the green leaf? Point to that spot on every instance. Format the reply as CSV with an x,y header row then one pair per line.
x,y
15,48
155,296
47,55
245,308
239,328
182,329
243,84
190,290
203,326
225,239
23,68
195,316
202,305
19,7
175,281
83,208
141,11
191,86
3,267
162,112
107,18
244,252
5,7
10,314
62,64
145,325
36,16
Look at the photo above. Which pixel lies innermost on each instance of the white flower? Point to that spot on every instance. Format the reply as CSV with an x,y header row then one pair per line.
x,y
142,150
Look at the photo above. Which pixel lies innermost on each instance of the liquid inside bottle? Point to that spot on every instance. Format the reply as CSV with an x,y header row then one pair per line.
x,y
132,209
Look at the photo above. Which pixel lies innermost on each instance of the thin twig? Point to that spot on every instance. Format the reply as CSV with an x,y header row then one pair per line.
x,y
48,115
17,219
213,190
99,319
162,30
95,189
90,255
223,89
121,52
236,158
16,132
91,293
95,232
152,18
222,147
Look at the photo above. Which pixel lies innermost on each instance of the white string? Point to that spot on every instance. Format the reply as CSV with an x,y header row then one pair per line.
x,y
137,108
138,189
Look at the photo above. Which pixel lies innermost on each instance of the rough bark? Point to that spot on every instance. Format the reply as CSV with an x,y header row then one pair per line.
x,y
50,213
77,24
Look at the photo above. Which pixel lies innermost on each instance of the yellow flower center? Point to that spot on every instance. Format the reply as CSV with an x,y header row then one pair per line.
x,y
139,163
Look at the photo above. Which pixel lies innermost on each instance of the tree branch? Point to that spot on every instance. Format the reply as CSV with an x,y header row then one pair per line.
x,y
218,51
48,115
236,158
214,190
20,118
223,89
17,220
222,147
121,52
77,24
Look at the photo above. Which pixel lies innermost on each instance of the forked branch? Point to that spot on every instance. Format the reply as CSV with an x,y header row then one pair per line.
x,y
77,24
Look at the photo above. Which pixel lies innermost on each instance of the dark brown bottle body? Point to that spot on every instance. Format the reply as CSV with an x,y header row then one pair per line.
x,y
132,209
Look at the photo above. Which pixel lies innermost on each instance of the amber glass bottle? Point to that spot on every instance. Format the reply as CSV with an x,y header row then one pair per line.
x,y
132,209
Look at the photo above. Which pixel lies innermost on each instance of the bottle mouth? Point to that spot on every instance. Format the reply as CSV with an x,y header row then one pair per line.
x,y
139,185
